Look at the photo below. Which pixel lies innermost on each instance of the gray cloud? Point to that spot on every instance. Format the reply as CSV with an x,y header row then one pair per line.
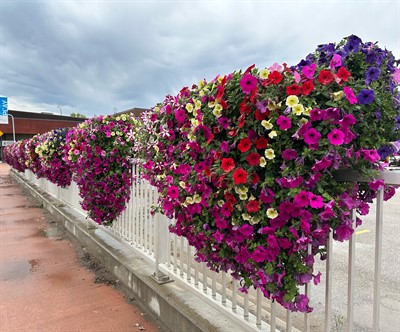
x,y
92,57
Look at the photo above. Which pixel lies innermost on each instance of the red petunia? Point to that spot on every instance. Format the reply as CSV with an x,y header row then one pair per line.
x,y
227,164
293,89
254,179
275,77
244,144
240,176
252,206
307,88
343,74
253,159
325,77
261,143
261,116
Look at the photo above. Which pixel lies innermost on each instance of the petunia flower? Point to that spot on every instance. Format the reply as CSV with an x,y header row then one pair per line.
x,y
284,123
366,97
351,97
227,164
244,144
308,71
253,159
336,137
248,83
311,136
325,77
240,176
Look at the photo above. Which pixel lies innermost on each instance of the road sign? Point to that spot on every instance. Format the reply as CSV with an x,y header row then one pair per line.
x,y
5,143
4,110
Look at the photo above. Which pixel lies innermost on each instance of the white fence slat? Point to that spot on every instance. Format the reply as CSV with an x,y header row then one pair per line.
x,y
378,261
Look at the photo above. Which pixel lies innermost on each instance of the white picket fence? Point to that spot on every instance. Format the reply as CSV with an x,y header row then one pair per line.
x,y
173,259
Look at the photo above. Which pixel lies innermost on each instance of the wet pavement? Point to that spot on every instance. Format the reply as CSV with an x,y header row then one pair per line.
x,y
42,285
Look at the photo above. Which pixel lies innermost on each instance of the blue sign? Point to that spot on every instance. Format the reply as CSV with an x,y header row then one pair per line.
x,y
4,110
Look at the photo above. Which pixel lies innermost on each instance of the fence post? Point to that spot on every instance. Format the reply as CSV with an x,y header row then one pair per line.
x,y
161,244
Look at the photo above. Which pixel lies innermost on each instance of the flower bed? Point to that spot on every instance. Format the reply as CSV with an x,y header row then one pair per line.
x,y
244,163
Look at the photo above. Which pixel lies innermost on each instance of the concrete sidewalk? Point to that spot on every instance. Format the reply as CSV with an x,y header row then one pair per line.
x,y
42,285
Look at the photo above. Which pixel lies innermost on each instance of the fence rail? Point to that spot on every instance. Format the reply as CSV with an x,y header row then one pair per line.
x,y
174,260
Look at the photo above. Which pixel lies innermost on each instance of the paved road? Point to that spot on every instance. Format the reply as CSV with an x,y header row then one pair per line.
x,y
42,287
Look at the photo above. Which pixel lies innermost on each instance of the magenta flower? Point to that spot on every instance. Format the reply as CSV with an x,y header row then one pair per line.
x,y
248,83
308,71
302,199
371,155
289,154
336,137
316,201
173,192
335,62
284,123
349,93
311,136
377,185
343,232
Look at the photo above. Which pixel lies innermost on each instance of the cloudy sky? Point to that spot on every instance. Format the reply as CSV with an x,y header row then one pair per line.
x,y
94,57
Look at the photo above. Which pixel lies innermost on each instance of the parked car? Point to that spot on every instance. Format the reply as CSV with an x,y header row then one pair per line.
x,y
394,161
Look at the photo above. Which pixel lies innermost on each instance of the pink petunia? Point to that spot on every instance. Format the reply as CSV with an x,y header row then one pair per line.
x,y
289,154
248,83
377,185
311,136
335,62
349,93
316,201
302,199
173,192
396,75
308,71
284,123
336,137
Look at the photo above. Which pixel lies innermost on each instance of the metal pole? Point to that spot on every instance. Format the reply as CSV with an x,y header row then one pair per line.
x,y
13,125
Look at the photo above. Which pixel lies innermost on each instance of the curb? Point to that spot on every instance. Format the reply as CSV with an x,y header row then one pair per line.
x,y
175,306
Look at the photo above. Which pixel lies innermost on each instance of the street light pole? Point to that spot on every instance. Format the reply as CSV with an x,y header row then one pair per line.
x,y
13,125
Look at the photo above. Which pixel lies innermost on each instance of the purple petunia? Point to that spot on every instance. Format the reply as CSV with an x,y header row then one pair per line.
x,y
372,74
366,97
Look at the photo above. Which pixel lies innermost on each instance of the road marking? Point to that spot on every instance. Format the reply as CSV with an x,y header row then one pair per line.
x,y
363,231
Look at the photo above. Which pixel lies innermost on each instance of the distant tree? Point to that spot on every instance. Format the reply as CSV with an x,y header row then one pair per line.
x,y
78,115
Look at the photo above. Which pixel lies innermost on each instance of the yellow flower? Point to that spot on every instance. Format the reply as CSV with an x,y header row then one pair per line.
x,y
298,109
123,118
241,190
156,109
269,154
189,107
117,118
220,203
112,133
191,137
182,184
200,84
303,121
246,216
263,162
195,122
217,112
292,100
220,78
272,213
243,197
197,104
197,198
338,95
266,124
264,73
273,134
307,111
211,104
189,200
254,220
